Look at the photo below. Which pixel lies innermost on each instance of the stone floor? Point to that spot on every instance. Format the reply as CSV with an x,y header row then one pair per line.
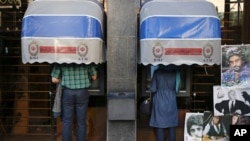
x,y
143,134
98,127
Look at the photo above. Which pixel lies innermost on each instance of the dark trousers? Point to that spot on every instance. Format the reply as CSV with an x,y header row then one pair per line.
x,y
74,102
160,134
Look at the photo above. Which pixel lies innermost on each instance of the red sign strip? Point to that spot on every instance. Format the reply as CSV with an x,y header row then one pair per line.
x,y
55,49
183,51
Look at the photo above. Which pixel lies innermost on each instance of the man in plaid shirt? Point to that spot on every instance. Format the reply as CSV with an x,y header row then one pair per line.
x,y
75,80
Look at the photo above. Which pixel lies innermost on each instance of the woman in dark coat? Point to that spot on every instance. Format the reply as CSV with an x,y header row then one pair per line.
x,y
165,85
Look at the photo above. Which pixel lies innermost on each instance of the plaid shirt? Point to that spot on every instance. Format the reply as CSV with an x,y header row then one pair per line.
x,y
74,76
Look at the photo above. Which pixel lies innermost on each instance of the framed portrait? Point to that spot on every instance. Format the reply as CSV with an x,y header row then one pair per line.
x,y
235,68
215,128
193,126
231,100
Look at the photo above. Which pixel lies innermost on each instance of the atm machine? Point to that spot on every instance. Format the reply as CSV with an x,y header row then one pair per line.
x,y
181,32
65,31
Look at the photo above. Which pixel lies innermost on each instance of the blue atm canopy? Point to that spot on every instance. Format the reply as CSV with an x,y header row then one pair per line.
x,y
63,31
179,32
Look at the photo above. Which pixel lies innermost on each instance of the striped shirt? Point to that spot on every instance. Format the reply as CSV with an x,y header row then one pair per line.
x,y
74,76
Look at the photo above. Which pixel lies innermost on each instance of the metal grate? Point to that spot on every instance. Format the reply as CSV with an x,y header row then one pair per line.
x,y
25,98
25,89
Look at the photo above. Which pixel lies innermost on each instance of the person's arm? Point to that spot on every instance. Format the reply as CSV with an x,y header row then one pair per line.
x,y
224,130
241,107
153,87
93,73
206,130
219,107
55,74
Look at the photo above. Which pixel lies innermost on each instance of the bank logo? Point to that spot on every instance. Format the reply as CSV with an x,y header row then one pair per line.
x,y
208,51
158,50
82,50
33,48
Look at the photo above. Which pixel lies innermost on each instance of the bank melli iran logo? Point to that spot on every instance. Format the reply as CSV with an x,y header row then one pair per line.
x,y
82,50
208,51
33,48
158,50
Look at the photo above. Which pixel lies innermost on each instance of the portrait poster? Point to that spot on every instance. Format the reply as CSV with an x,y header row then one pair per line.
x,y
239,120
235,68
215,128
193,126
231,100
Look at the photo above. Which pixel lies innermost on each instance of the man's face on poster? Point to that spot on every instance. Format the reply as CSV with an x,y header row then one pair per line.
x,y
235,62
216,120
232,95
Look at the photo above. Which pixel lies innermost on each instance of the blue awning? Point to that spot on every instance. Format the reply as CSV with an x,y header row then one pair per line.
x,y
63,31
179,32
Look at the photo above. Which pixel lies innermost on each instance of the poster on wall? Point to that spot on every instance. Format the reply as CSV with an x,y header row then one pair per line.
x,y
235,69
209,127
193,127
231,100
215,128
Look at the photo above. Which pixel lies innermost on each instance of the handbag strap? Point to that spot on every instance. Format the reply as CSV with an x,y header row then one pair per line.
x,y
150,94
